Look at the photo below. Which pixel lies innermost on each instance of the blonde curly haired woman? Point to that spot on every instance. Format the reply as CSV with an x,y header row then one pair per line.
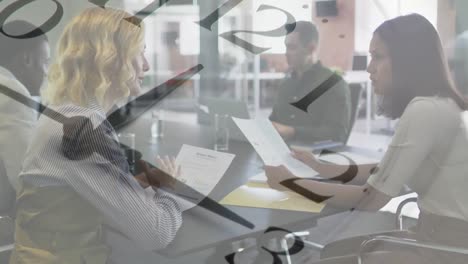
x,y
66,198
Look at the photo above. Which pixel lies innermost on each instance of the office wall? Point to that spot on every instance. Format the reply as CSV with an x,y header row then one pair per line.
x,y
446,21
371,13
462,14
337,36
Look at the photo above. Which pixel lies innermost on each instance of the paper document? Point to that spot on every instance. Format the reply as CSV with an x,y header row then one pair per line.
x,y
201,169
270,146
261,196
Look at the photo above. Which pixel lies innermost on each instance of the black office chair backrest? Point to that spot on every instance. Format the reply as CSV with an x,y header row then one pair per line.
x,y
355,92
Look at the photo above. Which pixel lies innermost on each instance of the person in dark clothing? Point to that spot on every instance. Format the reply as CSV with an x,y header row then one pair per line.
x,y
327,117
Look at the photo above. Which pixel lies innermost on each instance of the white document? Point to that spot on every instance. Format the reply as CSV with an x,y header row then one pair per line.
x,y
271,147
202,168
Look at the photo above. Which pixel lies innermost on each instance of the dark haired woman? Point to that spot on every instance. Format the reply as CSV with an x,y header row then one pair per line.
x,y
428,153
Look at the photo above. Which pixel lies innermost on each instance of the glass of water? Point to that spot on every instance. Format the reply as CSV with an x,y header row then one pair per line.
x,y
221,132
157,126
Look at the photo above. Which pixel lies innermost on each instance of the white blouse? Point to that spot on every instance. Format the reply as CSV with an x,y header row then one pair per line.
x,y
17,123
429,154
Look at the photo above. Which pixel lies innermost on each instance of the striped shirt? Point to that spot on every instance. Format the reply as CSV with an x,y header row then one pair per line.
x,y
100,176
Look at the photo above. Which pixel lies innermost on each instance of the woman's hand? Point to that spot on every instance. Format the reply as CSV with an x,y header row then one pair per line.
x,y
285,131
168,165
276,175
163,176
305,156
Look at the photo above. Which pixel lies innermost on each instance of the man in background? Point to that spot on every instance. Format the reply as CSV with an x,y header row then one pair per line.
x,y
328,117
23,68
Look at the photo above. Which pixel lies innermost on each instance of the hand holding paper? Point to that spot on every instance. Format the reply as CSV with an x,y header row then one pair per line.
x,y
271,147
200,169
160,177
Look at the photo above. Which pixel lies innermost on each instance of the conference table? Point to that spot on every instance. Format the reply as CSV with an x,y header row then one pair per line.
x,y
202,229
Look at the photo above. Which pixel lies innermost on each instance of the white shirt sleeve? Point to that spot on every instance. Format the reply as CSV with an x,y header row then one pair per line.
x,y
414,139
16,127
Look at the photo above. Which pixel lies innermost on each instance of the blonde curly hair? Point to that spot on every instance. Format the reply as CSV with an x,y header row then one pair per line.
x,y
94,58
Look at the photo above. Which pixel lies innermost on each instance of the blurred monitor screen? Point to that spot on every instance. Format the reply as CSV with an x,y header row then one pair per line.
x,y
326,8
359,63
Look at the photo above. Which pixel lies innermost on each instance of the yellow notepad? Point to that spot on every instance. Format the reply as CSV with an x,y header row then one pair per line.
x,y
260,195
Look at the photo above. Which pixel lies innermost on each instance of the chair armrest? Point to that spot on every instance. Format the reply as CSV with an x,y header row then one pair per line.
x,y
408,243
399,211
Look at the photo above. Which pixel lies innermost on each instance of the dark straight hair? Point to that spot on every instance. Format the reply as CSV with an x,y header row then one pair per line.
x,y
419,66
307,31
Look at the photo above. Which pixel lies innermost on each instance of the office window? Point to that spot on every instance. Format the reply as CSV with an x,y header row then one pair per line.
x,y
371,13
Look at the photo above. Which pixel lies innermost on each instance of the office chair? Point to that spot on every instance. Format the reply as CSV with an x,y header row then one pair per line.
x,y
356,90
383,240
405,242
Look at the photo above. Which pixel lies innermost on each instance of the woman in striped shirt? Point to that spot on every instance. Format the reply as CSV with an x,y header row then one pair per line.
x,y
75,178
